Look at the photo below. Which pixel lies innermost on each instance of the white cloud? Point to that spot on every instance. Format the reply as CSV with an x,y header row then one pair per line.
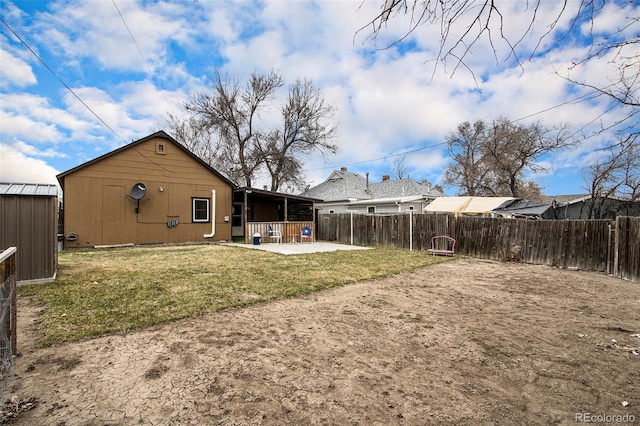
x,y
32,151
14,71
18,167
388,101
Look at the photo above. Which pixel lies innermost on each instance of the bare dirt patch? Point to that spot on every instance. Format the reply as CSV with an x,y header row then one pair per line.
x,y
464,342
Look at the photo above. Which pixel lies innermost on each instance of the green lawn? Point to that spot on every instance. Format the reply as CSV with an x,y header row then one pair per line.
x,y
106,291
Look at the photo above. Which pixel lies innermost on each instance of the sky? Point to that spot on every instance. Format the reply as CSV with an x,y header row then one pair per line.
x,y
110,72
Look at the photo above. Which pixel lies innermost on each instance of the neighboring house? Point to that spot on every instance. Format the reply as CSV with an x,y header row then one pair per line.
x,y
344,191
526,209
29,222
153,190
389,205
597,208
559,199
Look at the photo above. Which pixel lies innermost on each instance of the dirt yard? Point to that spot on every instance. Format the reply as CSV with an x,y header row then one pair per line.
x,y
464,342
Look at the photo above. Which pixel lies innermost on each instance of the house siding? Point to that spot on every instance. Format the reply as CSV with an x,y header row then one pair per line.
x,y
98,210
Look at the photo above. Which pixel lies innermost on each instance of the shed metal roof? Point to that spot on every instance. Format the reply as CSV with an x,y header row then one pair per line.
x,y
29,189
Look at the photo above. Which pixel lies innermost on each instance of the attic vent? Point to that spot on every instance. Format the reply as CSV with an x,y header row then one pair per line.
x,y
161,148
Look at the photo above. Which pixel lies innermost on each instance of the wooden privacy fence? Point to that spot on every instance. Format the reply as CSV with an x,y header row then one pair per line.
x,y
626,250
599,245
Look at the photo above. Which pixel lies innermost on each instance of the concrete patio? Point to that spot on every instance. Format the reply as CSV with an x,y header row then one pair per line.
x,y
299,248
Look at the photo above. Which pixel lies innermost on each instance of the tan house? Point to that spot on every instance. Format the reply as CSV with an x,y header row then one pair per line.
x,y
153,190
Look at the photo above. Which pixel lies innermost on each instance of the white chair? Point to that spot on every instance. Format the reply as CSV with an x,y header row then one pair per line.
x,y
274,234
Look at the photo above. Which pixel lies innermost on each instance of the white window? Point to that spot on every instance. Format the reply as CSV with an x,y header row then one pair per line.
x,y
200,209
371,209
332,211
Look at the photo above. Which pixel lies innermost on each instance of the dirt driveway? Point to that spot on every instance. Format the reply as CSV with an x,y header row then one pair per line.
x,y
464,342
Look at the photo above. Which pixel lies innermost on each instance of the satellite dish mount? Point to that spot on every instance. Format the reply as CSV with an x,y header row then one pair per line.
x,y
138,192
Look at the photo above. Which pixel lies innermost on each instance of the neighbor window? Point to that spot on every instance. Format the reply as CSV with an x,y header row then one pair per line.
x,y
371,209
200,209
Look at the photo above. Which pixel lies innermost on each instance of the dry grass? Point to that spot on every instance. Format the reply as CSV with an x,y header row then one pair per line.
x,y
106,291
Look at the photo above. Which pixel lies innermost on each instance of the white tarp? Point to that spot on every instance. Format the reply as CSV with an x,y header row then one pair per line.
x,y
473,206
447,204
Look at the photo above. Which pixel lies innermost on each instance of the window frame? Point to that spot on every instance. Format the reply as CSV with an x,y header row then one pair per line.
x,y
194,200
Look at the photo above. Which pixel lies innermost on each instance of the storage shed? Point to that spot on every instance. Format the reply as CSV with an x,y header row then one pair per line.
x,y
29,221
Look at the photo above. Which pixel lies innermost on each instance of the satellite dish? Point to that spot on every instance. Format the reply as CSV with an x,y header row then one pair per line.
x,y
138,191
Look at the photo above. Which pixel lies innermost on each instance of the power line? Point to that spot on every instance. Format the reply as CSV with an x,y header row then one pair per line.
x,y
570,101
61,81
381,158
141,54
77,97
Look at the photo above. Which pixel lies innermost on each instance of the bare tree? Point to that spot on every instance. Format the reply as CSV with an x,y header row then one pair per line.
x,y
492,159
399,167
230,114
196,138
468,169
306,127
512,149
224,129
463,24
617,173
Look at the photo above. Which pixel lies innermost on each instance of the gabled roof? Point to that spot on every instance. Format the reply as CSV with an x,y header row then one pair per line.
x,y
29,189
159,134
342,185
402,188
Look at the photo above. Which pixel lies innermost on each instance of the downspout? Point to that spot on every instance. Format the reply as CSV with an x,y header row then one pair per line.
x,y
213,215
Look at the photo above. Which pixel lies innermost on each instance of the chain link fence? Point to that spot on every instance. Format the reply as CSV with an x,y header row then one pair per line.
x,y
7,324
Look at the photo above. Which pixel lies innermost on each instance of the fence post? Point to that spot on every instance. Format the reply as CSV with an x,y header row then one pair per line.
x,y
351,227
410,230
616,249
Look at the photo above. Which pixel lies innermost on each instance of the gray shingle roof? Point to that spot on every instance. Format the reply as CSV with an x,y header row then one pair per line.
x,y
343,185
402,188
33,189
340,185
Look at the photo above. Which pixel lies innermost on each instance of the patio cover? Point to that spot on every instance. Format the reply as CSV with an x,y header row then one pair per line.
x,y
468,206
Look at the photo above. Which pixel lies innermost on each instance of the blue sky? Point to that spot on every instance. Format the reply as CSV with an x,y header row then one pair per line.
x,y
388,101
